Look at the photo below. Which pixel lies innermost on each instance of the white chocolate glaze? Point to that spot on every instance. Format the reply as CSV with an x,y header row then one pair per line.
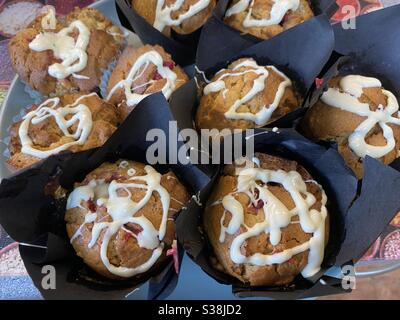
x,y
278,12
164,13
122,209
65,117
277,217
347,99
137,70
264,115
72,52
49,21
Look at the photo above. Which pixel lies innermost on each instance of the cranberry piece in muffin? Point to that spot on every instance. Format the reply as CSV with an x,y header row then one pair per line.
x,y
359,115
183,17
267,18
130,229
73,122
141,72
267,243
58,55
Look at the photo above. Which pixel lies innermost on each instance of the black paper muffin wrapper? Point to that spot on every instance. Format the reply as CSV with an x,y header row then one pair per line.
x,y
218,40
30,216
290,52
366,52
182,47
357,216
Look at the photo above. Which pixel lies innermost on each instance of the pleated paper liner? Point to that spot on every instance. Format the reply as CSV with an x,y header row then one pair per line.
x,y
182,47
218,39
301,53
31,216
353,219
365,51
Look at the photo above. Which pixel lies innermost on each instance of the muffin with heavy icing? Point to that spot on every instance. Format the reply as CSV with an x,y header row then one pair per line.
x,y
267,18
360,116
181,16
72,122
267,222
120,218
246,95
141,72
63,54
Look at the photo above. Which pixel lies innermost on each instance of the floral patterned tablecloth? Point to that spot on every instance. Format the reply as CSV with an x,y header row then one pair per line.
x,y
14,282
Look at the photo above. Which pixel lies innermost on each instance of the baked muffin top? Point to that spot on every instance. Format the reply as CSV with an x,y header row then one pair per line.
x,y
267,18
183,16
141,72
57,55
120,218
74,122
361,116
267,222
245,95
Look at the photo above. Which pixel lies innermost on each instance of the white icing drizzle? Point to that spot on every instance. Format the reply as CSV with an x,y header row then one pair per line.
x,y
72,53
278,11
346,99
264,115
122,210
137,70
164,18
277,217
49,21
80,114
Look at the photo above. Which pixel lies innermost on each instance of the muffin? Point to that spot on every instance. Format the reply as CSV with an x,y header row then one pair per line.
x,y
141,72
183,17
244,96
73,122
267,224
360,116
267,18
120,218
58,55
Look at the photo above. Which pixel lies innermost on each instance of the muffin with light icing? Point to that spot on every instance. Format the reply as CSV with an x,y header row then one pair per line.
x,y
120,218
63,54
267,18
183,17
246,95
73,122
267,223
140,73
360,116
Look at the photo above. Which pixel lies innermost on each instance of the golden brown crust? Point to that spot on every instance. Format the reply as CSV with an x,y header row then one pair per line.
x,y
147,9
33,66
123,67
123,249
292,236
262,9
212,108
325,123
47,135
